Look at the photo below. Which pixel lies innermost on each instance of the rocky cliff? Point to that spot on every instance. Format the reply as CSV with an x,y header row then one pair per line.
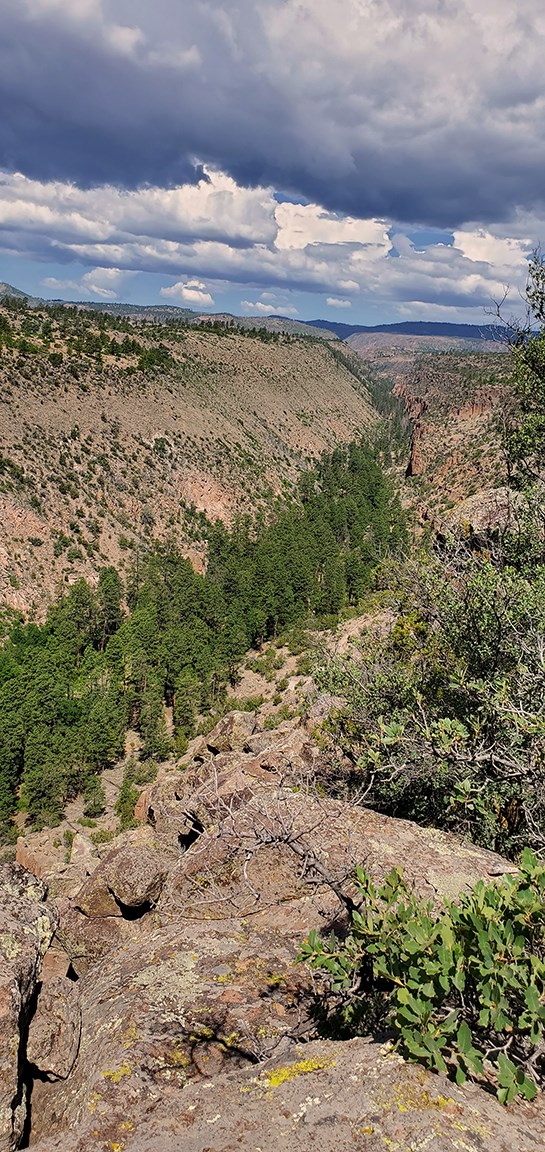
x,y
171,1012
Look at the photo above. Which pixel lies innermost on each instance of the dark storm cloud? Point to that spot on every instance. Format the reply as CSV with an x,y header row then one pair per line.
x,y
433,115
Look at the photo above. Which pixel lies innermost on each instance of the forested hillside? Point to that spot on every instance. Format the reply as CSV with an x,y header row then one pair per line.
x,y
70,688
116,432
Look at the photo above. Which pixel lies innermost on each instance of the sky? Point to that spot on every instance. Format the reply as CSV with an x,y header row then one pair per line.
x,y
361,160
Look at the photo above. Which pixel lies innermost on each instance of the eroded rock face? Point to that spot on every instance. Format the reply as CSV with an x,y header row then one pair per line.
x,y
290,850
55,1028
43,854
323,1095
27,925
181,1004
231,732
115,904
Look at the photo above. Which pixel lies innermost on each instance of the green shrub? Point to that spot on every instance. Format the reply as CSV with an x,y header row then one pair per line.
x,y
144,771
102,836
462,990
443,719
126,800
275,719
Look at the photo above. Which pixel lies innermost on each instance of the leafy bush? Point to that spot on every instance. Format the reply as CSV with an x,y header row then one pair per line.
x,y
102,836
463,991
443,719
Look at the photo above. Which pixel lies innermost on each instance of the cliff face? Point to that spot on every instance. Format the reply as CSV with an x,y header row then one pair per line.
x,y
453,404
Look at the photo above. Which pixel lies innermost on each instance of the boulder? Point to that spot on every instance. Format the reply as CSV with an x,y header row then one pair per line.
x,y
38,852
291,851
181,807
130,876
85,940
27,925
55,1028
231,733
44,854
175,1006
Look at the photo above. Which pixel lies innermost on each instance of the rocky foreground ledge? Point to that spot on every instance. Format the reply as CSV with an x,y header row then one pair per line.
x,y
152,1002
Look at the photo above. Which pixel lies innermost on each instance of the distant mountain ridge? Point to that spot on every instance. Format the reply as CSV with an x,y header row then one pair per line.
x,y
415,328
162,313
9,290
336,328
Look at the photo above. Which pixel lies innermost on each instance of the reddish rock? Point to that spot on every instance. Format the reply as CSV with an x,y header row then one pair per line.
x,y
242,858
39,852
232,732
86,940
129,876
325,1095
163,1011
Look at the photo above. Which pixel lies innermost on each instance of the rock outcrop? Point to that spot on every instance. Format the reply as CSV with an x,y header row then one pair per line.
x,y
333,1096
185,938
55,1029
27,925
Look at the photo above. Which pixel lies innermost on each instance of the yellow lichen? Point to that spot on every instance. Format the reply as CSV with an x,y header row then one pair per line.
x,y
291,1071
9,945
178,1059
130,1036
419,1100
118,1073
231,1041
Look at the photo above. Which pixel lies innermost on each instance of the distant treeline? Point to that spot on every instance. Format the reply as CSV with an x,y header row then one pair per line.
x,y
114,656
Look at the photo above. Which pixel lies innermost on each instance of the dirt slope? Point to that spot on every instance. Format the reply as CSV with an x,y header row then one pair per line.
x,y
99,454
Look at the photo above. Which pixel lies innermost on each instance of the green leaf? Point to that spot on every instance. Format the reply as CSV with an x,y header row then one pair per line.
x,y
464,1038
531,996
528,1089
506,1070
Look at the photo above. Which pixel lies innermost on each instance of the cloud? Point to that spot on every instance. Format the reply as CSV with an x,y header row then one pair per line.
x,y
190,291
213,208
268,309
104,283
214,234
304,224
430,112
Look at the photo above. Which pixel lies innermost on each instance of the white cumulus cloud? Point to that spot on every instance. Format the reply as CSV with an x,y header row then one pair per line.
x,y
190,291
264,309
104,283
